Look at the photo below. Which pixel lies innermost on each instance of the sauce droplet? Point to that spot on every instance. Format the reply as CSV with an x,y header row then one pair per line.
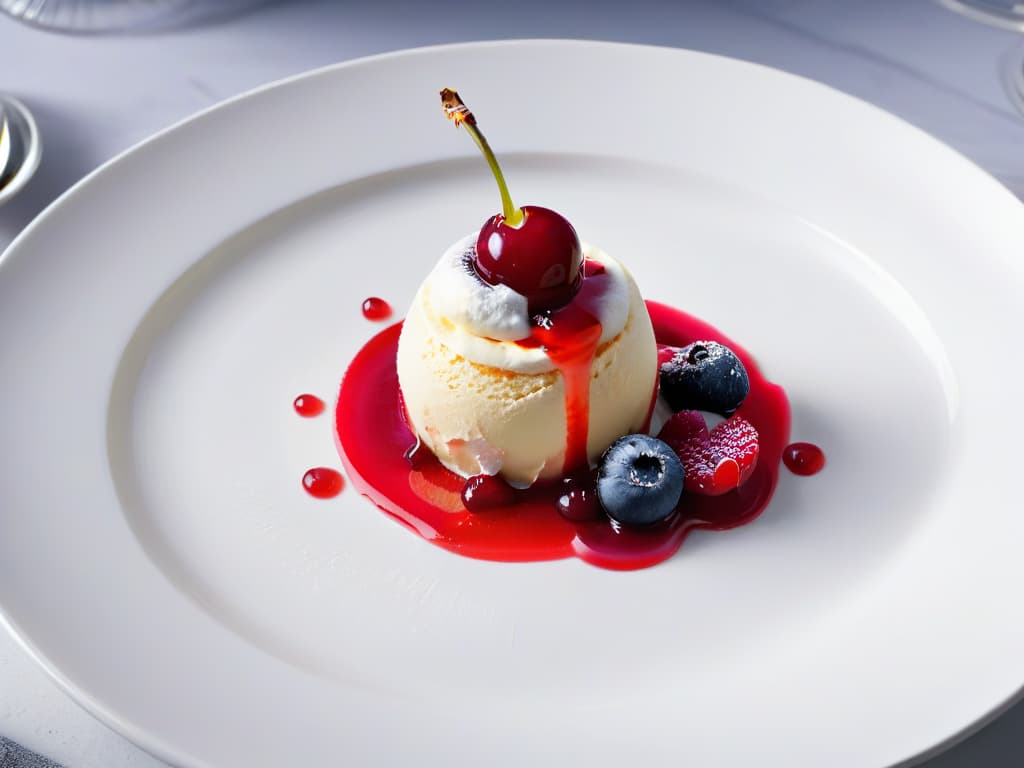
x,y
376,309
308,406
803,458
323,483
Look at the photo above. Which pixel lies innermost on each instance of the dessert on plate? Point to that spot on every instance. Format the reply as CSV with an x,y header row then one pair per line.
x,y
536,407
490,391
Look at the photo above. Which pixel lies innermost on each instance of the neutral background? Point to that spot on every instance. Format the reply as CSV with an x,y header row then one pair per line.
x,y
95,96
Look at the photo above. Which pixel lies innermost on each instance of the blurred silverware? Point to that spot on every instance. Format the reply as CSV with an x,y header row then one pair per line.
x,y
5,144
20,147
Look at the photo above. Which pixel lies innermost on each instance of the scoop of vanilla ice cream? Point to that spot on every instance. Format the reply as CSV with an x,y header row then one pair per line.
x,y
487,405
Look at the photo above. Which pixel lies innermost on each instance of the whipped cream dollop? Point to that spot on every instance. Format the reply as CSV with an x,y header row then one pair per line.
x,y
462,297
481,322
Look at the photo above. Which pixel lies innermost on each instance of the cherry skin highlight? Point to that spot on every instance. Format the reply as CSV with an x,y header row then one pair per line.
x,y
540,259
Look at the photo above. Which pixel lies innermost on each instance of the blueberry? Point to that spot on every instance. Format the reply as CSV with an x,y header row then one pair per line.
x,y
639,480
704,376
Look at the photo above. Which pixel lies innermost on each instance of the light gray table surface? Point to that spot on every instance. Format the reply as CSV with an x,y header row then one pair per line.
x,y
95,96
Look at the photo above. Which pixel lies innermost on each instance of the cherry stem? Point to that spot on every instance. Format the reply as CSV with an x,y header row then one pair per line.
x,y
455,109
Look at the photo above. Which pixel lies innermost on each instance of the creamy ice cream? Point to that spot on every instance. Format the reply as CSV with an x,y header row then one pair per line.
x,y
486,400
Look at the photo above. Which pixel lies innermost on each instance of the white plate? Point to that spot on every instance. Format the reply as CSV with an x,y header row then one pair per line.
x,y
160,559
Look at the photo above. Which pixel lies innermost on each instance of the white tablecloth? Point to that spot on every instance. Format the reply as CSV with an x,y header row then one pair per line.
x,y
95,96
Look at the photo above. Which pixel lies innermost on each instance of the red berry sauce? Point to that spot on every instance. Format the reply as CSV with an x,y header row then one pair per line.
x,y
376,443
376,309
570,336
323,482
308,406
803,458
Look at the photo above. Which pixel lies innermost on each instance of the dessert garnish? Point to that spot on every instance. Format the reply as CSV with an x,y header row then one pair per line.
x,y
640,480
703,376
518,357
716,460
532,406
484,492
533,250
577,499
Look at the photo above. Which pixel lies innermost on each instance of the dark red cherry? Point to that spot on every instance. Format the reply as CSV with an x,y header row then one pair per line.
x,y
541,258
484,492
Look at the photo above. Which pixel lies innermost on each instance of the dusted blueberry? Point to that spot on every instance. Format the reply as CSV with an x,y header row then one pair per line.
x,y
704,376
640,480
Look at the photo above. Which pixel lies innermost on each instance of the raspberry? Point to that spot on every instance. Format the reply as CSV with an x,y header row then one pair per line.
x,y
714,462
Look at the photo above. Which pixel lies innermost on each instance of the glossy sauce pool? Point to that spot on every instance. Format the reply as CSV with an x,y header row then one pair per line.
x,y
375,443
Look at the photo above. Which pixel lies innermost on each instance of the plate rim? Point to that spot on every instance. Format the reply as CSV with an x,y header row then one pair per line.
x,y
74,189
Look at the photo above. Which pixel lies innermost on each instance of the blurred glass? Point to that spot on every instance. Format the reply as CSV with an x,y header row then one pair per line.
x,y
1013,76
1008,14
97,16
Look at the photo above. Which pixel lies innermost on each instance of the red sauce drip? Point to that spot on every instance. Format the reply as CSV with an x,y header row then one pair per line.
x,y
376,309
322,482
803,458
570,336
665,354
374,441
308,406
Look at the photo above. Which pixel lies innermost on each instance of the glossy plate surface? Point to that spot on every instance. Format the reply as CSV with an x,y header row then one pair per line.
x,y
158,554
